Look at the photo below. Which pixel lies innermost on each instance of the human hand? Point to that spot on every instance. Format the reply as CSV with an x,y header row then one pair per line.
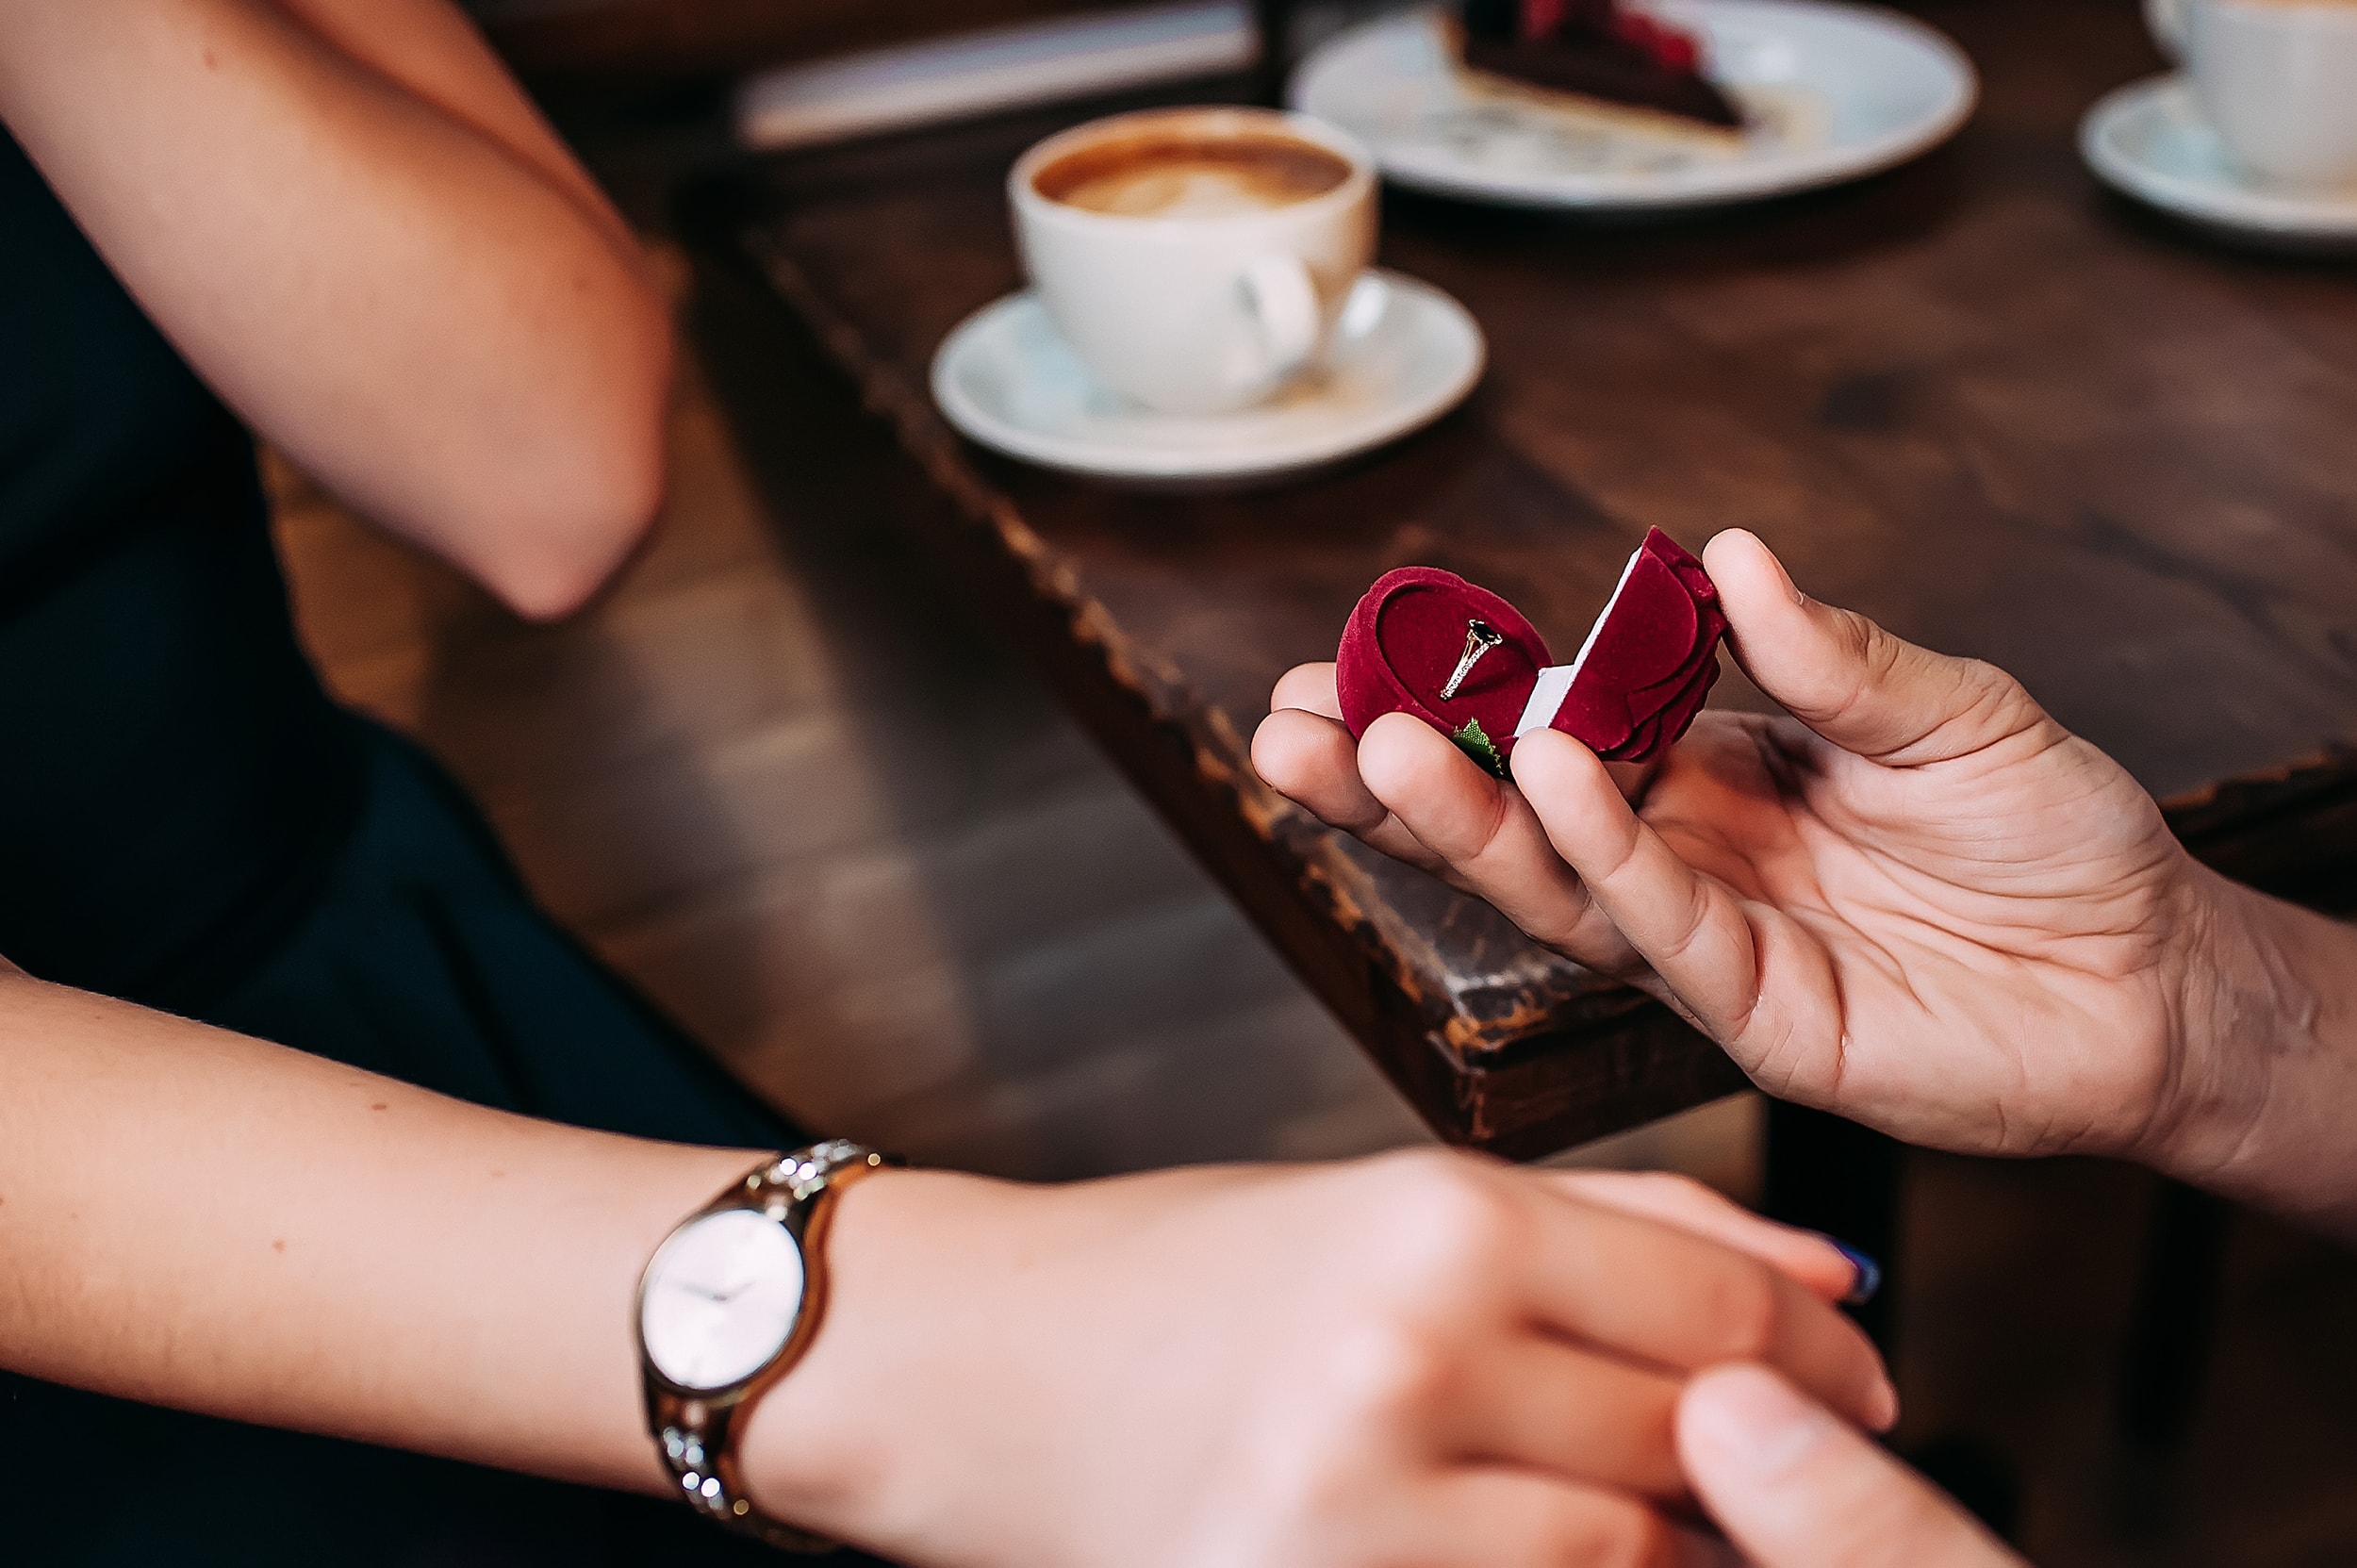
x,y
1795,1487
1923,904
1424,1357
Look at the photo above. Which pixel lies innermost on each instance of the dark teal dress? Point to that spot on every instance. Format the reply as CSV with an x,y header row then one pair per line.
x,y
187,820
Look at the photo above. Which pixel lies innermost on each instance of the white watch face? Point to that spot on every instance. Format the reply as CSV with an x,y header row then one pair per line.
x,y
721,1297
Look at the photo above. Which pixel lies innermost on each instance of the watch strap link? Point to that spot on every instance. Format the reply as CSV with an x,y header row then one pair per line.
x,y
699,1445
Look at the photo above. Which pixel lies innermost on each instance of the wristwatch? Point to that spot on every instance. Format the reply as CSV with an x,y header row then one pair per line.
x,y
727,1305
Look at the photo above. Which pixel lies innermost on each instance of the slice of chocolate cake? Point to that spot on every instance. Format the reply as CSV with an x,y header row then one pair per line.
x,y
1597,49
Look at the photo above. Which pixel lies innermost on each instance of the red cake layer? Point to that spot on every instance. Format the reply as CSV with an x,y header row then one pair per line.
x,y
1597,49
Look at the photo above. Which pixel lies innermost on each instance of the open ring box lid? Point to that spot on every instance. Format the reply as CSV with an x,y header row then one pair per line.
x,y
1635,685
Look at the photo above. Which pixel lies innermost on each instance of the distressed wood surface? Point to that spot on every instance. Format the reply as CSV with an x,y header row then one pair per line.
x,y
2004,412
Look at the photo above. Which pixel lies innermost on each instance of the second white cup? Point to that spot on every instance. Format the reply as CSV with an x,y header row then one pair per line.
x,y
2277,77
1198,258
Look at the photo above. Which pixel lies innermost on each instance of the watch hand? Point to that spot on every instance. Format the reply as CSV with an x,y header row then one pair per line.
x,y
707,1295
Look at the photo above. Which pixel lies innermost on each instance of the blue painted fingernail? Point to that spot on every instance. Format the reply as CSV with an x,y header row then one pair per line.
x,y
1869,1273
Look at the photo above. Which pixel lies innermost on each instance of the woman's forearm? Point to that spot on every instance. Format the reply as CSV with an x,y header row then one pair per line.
x,y
415,309
2267,1088
430,48
197,1219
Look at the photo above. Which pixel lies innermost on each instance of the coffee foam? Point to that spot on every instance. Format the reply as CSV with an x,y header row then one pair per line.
x,y
1195,178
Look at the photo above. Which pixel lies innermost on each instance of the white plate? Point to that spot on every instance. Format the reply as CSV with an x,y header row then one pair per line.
x,y
2152,140
1838,92
1405,355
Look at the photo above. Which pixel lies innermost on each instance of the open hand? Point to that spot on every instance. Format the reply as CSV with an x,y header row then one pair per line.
x,y
1918,902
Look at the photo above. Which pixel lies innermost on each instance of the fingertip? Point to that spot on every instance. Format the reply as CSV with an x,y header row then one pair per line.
x,y
1753,584
1549,759
1403,759
1308,687
1792,646
1730,539
1271,746
1791,1484
1884,1419
1740,552
1739,1424
1866,1275
1823,1267
1568,786
1836,1274
1288,748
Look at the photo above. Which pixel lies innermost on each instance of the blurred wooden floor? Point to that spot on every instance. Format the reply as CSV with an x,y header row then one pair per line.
x,y
775,778
778,778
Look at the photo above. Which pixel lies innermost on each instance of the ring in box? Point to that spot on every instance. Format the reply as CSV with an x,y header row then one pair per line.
x,y
1426,642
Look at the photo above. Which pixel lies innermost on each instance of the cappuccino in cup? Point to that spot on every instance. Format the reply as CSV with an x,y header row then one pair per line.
x,y
2277,77
1197,259
1189,176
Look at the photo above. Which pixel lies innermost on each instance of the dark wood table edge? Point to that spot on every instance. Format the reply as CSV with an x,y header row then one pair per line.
x,y
1516,1086
2291,831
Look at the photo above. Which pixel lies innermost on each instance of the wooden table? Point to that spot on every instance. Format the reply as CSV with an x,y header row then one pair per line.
x,y
1977,397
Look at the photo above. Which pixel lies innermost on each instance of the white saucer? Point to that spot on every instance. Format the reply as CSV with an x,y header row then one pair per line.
x,y
1837,91
2152,140
1405,355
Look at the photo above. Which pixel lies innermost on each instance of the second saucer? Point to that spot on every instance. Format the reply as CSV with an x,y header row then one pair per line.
x,y
2152,140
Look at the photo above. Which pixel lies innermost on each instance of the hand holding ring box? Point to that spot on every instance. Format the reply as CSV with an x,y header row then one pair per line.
x,y
1197,259
1426,642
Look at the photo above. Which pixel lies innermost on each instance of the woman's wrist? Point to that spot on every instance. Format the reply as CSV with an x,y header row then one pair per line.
x,y
830,1443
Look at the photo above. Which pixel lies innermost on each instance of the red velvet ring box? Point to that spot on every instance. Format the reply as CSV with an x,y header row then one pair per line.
x,y
1636,685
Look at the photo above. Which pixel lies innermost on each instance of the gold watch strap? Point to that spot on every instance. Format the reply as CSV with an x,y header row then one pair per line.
x,y
699,1444
696,1432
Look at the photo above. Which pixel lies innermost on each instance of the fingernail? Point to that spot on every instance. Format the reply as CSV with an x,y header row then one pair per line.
x,y
1792,589
1867,1277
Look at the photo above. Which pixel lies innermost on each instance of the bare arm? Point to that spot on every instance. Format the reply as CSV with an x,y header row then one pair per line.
x,y
361,235
433,50
198,1219
1427,1348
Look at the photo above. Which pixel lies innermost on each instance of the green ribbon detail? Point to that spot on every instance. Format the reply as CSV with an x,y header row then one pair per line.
x,y
1476,743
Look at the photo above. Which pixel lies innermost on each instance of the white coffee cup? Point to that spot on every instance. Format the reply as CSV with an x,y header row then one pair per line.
x,y
1192,284
2277,77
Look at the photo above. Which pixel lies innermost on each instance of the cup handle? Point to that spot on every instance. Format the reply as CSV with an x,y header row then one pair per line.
x,y
1278,291
2169,20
